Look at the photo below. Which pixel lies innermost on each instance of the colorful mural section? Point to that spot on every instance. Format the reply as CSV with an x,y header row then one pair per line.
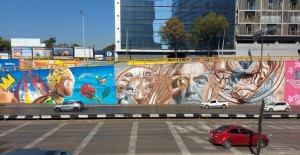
x,y
238,82
292,82
92,85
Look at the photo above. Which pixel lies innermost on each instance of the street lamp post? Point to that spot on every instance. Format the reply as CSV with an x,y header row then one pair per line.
x,y
82,17
260,34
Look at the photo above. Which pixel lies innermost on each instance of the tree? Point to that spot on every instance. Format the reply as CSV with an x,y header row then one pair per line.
x,y
74,45
50,42
205,30
63,45
4,45
110,47
173,32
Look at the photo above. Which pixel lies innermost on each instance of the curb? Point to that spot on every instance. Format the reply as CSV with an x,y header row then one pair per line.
x,y
146,116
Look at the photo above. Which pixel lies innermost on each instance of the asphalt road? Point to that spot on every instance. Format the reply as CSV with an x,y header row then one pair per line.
x,y
142,137
133,109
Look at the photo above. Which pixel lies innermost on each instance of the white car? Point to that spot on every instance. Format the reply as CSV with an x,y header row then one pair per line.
x,y
278,106
214,104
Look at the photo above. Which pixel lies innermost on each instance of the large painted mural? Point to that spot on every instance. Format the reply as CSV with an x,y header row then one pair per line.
x,y
238,82
92,85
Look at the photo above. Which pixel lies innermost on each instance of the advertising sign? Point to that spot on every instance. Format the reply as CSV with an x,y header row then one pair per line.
x,y
63,53
292,82
21,52
42,52
8,64
83,52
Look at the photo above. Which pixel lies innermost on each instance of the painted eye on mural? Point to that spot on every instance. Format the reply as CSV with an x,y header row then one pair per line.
x,y
128,74
182,82
129,89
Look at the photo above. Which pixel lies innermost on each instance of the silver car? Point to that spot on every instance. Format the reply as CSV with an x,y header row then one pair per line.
x,y
72,105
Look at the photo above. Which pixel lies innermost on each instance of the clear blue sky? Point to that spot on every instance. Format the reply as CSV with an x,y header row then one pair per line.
x,y
59,18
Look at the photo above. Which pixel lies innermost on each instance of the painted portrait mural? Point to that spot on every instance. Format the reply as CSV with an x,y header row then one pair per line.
x,y
238,82
92,85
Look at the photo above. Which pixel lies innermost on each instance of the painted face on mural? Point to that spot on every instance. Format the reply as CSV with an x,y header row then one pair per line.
x,y
193,82
134,85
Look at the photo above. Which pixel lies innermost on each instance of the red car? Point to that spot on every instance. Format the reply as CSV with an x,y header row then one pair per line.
x,y
229,135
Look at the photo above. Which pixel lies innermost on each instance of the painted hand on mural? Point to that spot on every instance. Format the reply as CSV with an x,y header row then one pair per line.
x,y
89,92
248,81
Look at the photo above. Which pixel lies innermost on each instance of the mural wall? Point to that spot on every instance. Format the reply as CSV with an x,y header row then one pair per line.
x,y
92,85
238,82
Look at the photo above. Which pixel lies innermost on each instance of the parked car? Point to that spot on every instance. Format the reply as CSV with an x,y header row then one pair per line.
x,y
72,105
214,104
278,106
229,135
36,152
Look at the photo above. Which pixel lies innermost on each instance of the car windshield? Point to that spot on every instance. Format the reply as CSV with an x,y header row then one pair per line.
x,y
222,128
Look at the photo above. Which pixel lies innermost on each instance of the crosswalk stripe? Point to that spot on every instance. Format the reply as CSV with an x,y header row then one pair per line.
x,y
13,129
182,147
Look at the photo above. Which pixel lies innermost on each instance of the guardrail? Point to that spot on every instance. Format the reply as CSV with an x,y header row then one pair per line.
x,y
80,62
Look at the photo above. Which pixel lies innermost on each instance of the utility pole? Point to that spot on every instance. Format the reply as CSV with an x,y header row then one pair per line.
x,y
83,41
256,35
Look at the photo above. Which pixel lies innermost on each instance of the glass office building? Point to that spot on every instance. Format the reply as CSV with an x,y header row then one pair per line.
x,y
138,22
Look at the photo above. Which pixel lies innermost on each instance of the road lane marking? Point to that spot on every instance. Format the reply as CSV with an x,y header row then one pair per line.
x,y
44,136
87,139
13,129
235,151
182,147
133,139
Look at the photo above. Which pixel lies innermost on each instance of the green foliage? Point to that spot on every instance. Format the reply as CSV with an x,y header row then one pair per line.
x,y
50,42
206,29
74,45
110,47
4,45
173,32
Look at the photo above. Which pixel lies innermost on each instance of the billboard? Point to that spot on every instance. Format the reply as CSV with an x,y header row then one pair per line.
x,y
42,52
83,52
63,52
26,42
9,64
21,52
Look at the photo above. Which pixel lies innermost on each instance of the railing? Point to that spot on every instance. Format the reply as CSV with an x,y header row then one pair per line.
x,y
124,61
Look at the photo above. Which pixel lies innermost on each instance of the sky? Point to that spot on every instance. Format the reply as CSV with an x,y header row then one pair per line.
x,y
59,18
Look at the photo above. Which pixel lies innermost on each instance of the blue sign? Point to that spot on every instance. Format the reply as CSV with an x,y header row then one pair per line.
x,y
9,64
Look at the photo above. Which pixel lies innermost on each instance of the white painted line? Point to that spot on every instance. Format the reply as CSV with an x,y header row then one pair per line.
x,y
235,151
87,139
171,115
83,116
133,139
6,116
101,116
32,144
65,116
276,116
46,116
188,115
36,117
119,115
182,147
20,117
136,115
13,129
223,115
293,115
240,115
154,115
256,116
206,115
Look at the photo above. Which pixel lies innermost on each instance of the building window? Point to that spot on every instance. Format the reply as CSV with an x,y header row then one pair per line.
x,y
248,29
269,26
293,29
249,16
293,4
250,4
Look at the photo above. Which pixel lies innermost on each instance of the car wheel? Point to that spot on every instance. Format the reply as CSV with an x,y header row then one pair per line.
x,y
57,110
206,107
271,109
287,109
227,144
223,106
263,144
76,109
